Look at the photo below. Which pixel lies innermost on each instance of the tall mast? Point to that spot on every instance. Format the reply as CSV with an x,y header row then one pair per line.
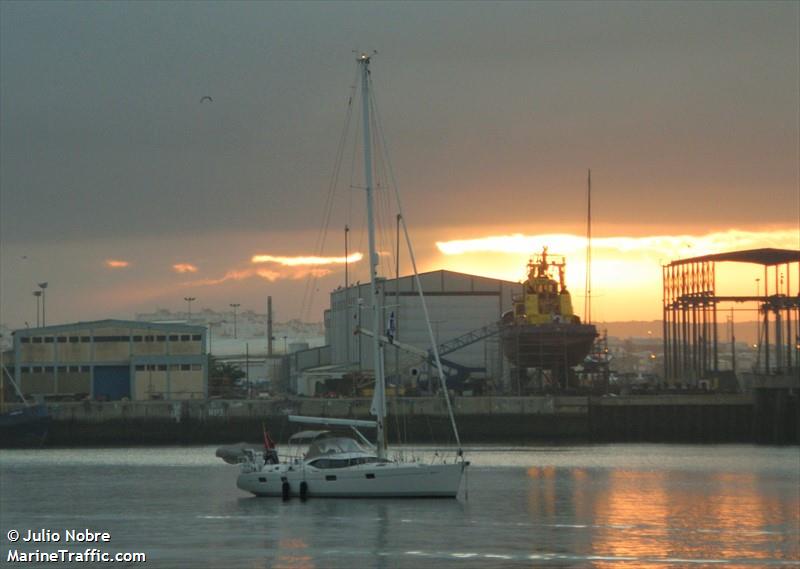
x,y
587,303
379,399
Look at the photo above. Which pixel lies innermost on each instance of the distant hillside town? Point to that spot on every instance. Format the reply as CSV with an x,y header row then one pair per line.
x,y
244,325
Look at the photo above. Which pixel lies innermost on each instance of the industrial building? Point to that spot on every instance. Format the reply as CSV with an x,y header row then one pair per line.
x,y
109,360
464,311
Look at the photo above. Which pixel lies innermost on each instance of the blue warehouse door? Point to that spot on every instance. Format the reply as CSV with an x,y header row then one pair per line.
x,y
112,383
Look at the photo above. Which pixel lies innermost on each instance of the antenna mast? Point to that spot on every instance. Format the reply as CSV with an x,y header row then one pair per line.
x,y
587,302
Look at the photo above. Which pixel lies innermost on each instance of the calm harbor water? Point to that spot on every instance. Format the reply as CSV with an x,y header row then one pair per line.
x,y
570,506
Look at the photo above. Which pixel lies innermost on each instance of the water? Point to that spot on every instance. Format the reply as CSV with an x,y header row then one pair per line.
x,y
575,506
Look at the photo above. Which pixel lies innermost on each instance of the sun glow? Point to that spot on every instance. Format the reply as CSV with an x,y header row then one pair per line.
x,y
666,247
116,264
626,271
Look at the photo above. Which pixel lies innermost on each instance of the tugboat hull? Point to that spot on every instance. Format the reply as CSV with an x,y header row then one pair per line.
x,y
554,346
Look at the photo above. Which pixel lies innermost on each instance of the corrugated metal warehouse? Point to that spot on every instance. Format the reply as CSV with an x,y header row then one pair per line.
x,y
458,303
112,360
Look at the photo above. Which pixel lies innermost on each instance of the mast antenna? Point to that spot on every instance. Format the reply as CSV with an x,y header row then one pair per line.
x,y
587,302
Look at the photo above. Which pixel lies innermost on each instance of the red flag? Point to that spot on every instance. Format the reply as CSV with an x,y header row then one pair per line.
x,y
268,443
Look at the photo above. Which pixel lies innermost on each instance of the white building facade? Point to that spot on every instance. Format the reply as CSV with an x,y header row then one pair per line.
x,y
457,304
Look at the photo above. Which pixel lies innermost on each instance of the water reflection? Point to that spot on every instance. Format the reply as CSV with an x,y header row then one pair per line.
x,y
654,517
291,554
632,517
635,506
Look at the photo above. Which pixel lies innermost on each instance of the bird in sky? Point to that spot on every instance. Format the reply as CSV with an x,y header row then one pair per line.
x,y
206,98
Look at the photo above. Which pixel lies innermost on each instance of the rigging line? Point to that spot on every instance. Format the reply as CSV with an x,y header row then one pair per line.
x,y
377,180
363,270
386,252
389,260
352,171
359,210
319,246
412,258
386,231
384,202
333,183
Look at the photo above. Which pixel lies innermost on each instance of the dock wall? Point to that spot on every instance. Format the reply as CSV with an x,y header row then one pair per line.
x,y
520,420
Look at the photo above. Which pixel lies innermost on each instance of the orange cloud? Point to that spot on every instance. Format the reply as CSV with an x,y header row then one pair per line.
x,y
273,268
116,264
263,273
184,268
300,261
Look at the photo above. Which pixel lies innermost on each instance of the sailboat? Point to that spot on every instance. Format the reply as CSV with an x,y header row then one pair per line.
x,y
349,465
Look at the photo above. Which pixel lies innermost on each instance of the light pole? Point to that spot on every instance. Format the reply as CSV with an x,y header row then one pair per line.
x,y
189,300
758,312
43,286
38,295
234,306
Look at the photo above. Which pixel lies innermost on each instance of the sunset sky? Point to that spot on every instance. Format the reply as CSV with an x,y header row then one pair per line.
x,y
126,191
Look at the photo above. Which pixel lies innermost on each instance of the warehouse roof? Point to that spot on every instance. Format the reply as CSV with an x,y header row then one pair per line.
x,y
441,281
766,256
112,323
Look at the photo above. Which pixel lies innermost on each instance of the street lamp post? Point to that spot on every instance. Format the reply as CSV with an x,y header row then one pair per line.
x,y
43,286
234,306
189,300
38,295
758,312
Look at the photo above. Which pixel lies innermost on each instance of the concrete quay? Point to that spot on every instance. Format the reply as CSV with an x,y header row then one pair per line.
x,y
518,420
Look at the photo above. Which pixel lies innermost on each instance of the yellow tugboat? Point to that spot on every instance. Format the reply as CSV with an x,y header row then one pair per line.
x,y
542,331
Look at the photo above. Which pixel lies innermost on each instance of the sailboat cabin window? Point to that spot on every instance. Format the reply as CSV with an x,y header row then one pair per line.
x,y
345,462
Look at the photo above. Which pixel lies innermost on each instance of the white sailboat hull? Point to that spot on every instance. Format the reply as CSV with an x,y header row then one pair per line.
x,y
386,480
338,466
